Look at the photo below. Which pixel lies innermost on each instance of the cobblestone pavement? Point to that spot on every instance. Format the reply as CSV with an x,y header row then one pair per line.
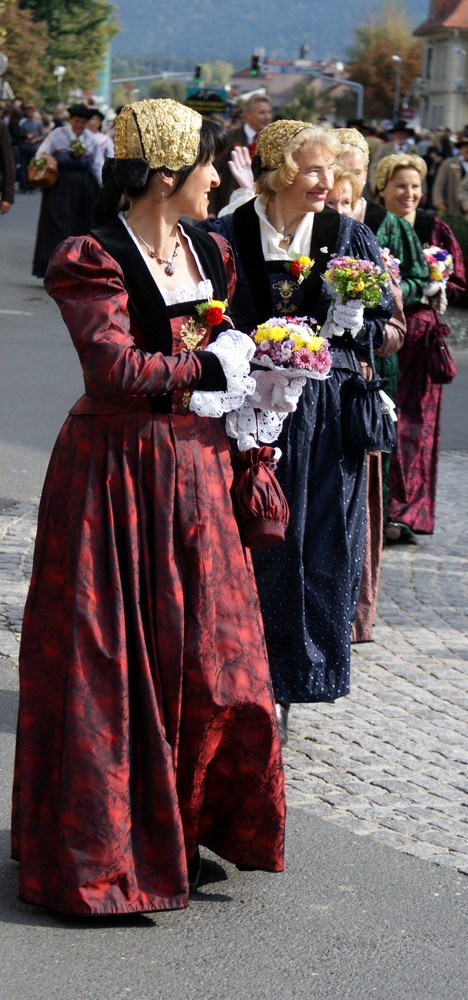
x,y
391,760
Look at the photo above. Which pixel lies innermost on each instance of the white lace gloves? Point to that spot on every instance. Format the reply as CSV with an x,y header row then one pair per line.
x,y
435,294
343,316
255,404
275,391
234,351
260,418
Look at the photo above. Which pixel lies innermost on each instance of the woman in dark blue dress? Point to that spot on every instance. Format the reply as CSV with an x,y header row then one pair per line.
x,y
308,587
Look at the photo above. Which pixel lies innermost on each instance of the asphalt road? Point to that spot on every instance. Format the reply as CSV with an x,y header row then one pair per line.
x,y
351,917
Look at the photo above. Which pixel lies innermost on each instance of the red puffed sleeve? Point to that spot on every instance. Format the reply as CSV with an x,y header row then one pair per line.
x,y
87,284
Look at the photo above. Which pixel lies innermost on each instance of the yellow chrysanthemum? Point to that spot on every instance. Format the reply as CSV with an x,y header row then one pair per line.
x,y
274,333
315,343
304,261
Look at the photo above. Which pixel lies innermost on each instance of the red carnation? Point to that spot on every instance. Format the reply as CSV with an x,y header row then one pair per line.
x,y
213,316
295,268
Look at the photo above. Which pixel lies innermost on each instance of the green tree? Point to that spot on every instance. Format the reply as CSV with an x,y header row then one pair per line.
x,y
24,43
370,61
217,73
302,106
79,32
168,88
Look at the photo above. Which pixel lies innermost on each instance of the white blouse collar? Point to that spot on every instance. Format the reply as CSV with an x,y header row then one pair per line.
x,y
271,239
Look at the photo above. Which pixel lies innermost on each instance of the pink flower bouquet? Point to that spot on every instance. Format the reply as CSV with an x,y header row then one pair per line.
x,y
292,345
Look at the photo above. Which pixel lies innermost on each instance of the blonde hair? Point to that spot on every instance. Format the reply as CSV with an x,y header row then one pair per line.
x,y
342,174
271,181
389,165
351,140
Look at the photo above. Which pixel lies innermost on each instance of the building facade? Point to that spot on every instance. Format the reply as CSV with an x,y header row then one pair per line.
x,y
444,83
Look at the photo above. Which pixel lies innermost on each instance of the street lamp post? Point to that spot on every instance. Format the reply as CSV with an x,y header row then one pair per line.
x,y
396,93
59,73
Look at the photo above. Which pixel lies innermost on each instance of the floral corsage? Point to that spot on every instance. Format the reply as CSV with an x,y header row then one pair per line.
x,y
212,313
77,147
292,344
299,267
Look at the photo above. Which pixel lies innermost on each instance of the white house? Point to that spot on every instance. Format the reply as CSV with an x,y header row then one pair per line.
x,y
444,93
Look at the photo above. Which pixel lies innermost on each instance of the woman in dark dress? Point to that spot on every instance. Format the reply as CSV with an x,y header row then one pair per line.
x,y
414,462
308,588
147,721
66,208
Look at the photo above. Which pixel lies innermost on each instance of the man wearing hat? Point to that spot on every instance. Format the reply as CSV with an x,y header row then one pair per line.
x,y
66,208
401,140
450,188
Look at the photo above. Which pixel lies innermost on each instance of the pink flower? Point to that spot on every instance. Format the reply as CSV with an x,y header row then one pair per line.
x,y
302,359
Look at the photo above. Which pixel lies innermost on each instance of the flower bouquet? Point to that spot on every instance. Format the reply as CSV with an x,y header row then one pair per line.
x,y
293,347
440,264
42,172
354,285
352,278
391,263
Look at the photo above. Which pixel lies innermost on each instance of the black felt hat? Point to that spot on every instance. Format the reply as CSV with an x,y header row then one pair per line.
x,y
401,126
80,111
96,111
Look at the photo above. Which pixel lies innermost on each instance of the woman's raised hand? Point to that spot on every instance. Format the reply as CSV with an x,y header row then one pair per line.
x,y
240,167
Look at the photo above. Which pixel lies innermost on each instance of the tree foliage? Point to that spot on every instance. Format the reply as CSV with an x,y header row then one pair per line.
x,y
302,106
370,61
25,43
78,33
217,73
174,89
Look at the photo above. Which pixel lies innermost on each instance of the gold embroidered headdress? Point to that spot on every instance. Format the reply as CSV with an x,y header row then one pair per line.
x,y
387,166
162,132
352,137
273,140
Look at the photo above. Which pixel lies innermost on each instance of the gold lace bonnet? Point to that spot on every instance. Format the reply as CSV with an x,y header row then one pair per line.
x,y
352,137
273,140
163,132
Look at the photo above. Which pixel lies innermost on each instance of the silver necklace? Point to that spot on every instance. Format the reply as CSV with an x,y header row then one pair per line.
x,y
168,261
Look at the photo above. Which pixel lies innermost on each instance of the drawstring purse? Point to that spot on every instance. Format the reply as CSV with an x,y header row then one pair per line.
x,y
368,414
261,509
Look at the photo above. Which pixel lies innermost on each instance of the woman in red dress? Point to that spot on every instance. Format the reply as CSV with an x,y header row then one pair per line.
x,y
415,459
147,722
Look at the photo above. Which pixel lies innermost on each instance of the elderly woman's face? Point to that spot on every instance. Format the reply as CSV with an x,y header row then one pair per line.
x,y
357,163
314,179
341,198
403,192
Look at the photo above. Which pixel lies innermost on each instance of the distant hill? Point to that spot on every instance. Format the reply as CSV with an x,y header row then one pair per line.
x,y
205,30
